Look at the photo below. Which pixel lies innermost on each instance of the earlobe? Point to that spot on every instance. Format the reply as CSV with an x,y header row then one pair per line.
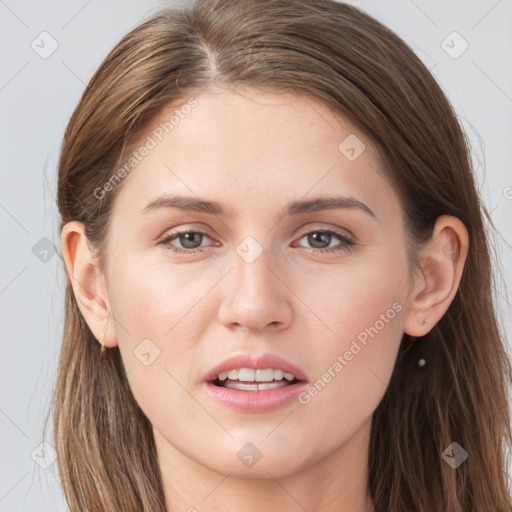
x,y
87,281
443,259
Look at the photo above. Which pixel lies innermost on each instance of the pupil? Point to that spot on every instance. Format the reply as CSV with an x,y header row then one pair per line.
x,y
187,241
313,238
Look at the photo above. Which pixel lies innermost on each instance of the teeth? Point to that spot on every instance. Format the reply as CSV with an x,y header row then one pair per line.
x,y
251,375
246,374
263,375
254,387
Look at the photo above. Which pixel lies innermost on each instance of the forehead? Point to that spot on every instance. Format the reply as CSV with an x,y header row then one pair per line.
x,y
254,148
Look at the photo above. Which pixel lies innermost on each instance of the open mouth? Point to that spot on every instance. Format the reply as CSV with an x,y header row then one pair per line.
x,y
253,385
249,379
255,390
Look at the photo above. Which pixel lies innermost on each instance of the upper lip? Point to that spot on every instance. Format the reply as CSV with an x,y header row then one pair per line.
x,y
255,361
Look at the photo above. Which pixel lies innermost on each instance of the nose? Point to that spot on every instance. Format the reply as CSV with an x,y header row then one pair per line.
x,y
256,296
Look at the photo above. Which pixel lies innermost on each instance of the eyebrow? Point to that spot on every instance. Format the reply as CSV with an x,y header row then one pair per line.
x,y
299,207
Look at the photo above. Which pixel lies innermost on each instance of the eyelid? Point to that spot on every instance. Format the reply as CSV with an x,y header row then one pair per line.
x,y
172,234
346,237
299,232
341,231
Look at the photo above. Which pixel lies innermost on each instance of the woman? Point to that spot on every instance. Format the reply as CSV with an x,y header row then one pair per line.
x,y
270,223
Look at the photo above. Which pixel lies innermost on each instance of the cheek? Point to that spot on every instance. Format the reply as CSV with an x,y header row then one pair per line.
x,y
353,371
363,309
160,320
149,298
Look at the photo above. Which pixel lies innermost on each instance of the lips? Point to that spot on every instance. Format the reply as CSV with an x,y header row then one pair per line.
x,y
253,397
255,361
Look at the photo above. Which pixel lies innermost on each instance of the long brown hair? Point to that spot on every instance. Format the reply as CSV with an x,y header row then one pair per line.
x,y
335,53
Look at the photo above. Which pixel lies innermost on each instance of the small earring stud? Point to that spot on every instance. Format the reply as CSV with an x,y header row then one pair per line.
x,y
102,346
425,322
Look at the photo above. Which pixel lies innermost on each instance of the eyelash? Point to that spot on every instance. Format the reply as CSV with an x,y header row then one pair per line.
x,y
347,243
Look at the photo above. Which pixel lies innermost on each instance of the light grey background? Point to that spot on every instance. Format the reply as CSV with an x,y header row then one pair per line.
x,y
37,97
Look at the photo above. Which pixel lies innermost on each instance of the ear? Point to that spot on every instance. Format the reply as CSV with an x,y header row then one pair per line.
x,y
435,286
88,282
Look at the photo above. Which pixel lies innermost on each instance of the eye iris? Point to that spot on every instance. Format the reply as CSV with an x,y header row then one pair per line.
x,y
188,239
186,236
313,238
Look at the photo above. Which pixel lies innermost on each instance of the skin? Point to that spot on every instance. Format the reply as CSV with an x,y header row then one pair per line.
x,y
254,152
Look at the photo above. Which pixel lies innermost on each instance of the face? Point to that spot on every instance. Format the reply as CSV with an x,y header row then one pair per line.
x,y
321,287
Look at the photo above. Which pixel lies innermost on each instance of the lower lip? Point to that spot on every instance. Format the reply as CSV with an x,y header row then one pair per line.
x,y
256,401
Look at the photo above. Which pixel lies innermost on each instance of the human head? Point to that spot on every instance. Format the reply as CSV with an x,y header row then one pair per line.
x,y
402,116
